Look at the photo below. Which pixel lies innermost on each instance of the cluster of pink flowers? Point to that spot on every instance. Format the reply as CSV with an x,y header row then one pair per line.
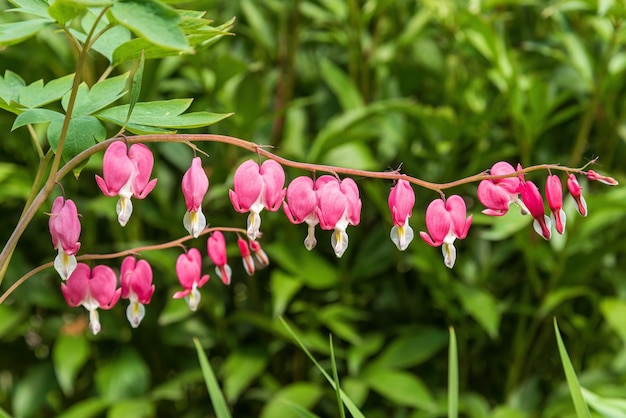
x,y
330,202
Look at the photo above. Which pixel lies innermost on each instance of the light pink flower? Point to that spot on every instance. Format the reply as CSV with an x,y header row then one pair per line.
x,y
301,205
246,258
216,247
126,174
534,202
498,194
188,268
445,221
257,188
137,287
554,195
92,289
576,191
64,228
401,201
260,255
195,185
338,206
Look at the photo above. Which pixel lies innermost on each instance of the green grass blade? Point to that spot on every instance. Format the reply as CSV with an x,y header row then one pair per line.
x,y
217,398
135,88
354,410
302,412
342,412
453,377
582,411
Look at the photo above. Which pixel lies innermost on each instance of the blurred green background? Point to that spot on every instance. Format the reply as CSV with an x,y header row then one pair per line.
x,y
444,88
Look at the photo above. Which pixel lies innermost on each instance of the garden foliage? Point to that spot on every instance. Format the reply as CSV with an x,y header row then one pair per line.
x,y
439,90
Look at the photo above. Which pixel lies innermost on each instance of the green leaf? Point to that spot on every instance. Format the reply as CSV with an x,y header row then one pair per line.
x,y
86,409
123,376
283,288
100,95
135,88
453,377
34,116
37,95
356,413
614,311
9,316
340,320
556,297
152,20
400,387
314,270
63,10
136,408
16,32
108,41
217,399
240,369
412,349
303,394
69,355
32,390
161,114
482,306
33,7
341,85
582,411
608,407
82,133
10,86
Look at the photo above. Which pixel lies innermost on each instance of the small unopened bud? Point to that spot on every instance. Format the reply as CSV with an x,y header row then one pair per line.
x,y
259,253
248,263
594,176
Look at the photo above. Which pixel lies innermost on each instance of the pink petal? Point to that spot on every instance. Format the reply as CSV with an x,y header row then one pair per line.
x,y
248,185
455,206
195,184
301,200
76,288
438,221
401,201
117,168
143,161
102,286
274,180
216,247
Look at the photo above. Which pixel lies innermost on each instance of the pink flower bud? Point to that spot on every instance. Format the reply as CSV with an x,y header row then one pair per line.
x,y
534,202
260,255
248,263
554,195
216,247
498,194
64,228
137,287
195,185
257,188
576,191
401,201
445,221
594,176
126,174
92,289
188,267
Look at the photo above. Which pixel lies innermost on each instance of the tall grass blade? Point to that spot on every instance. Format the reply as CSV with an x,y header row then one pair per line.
x,y
354,410
453,377
217,398
582,411
342,412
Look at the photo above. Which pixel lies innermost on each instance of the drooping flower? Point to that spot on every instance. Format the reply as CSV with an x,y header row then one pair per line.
x,y
498,194
126,174
534,202
195,185
576,191
260,255
246,258
188,267
301,204
64,228
92,288
257,188
554,195
445,221
137,287
338,206
216,247
401,201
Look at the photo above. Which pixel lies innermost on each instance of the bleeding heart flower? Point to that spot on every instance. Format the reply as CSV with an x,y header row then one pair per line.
x,y
188,267
554,195
216,247
576,191
401,201
195,185
534,202
64,228
137,287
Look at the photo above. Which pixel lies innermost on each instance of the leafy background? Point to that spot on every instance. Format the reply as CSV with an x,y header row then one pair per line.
x,y
445,88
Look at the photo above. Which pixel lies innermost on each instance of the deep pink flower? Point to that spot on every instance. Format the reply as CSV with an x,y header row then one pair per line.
x,y
338,206
257,188
301,205
594,176
188,267
126,174
93,289
260,255
244,250
498,194
401,201
534,202
216,247
195,185
137,287
576,191
554,195
445,221
65,231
